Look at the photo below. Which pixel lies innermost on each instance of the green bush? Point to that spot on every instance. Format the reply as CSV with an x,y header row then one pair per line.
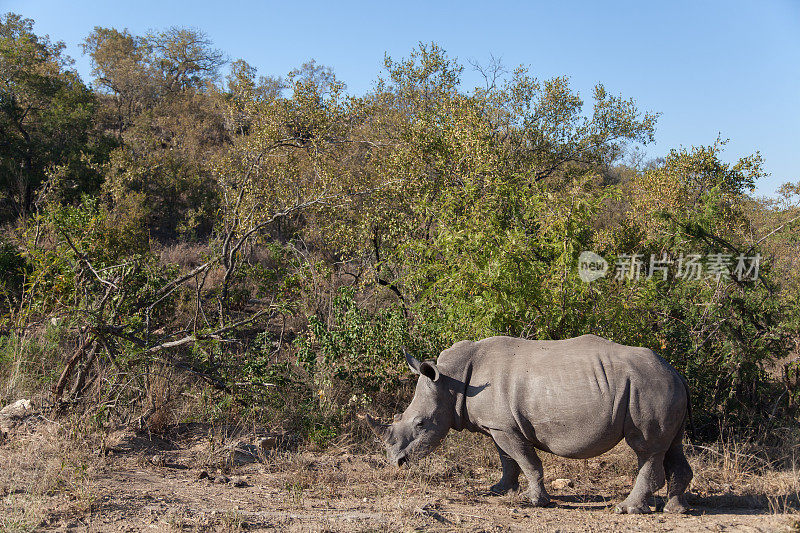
x,y
344,364
14,269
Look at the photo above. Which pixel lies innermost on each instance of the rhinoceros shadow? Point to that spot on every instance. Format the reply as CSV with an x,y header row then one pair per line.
x,y
700,505
473,390
743,504
582,498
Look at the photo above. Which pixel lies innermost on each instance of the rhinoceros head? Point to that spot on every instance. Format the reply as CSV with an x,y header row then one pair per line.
x,y
426,421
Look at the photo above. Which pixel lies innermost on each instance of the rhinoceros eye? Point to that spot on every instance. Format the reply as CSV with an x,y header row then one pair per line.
x,y
419,423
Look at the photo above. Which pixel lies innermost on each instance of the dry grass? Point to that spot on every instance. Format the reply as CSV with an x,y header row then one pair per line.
x,y
165,405
30,361
725,475
52,478
185,255
741,474
448,490
44,475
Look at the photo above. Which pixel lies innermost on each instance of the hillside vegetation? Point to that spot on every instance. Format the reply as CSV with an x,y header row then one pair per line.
x,y
185,241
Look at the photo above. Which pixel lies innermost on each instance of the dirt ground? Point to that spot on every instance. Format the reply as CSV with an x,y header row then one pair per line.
x,y
199,481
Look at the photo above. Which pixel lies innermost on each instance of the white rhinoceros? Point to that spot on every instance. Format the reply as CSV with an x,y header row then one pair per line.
x,y
574,398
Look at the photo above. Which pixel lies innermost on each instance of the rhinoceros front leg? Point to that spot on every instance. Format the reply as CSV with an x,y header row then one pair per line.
x,y
523,453
511,470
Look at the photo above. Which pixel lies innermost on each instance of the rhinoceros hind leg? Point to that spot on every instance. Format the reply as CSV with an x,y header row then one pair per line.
x,y
679,474
522,452
650,478
677,505
511,471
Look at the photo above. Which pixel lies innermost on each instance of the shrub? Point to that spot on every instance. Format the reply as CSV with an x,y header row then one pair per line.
x,y
13,268
344,364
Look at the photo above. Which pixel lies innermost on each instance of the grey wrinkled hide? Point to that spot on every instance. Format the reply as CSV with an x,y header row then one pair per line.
x,y
574,398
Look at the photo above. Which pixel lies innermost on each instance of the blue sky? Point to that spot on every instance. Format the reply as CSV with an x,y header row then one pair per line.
x,y
729,68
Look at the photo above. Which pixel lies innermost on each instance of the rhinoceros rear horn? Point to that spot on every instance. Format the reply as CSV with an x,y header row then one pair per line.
x,y
379,429
425,368
413,362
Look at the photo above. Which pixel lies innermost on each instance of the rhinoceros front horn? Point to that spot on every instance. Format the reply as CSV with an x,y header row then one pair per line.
x,y
379,429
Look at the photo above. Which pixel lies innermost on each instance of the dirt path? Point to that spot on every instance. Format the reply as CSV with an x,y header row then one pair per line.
x,y
180,486
352,494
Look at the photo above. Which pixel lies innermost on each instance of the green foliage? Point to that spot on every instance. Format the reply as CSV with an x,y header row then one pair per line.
x,y
168,121
355,349
345,363
502,262
793,377
58,278
14,269
156,186
46,119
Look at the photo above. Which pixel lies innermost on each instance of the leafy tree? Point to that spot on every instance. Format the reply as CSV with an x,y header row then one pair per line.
x,y
169,120
46,118
185,58
122,70
440,156
285,161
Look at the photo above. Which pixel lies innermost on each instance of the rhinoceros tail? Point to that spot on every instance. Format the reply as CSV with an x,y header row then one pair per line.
x,y
689,409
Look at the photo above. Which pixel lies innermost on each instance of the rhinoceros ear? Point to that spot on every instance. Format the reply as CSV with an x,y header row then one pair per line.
x,y
430,370
413,362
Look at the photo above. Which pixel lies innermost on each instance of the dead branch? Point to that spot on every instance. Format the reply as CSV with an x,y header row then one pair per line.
x,y
58,391
85,261
83,372
166,289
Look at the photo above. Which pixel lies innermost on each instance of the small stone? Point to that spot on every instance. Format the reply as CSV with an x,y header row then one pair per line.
x,y
239,481
203,474
12,415
18,409
222,479
561,484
